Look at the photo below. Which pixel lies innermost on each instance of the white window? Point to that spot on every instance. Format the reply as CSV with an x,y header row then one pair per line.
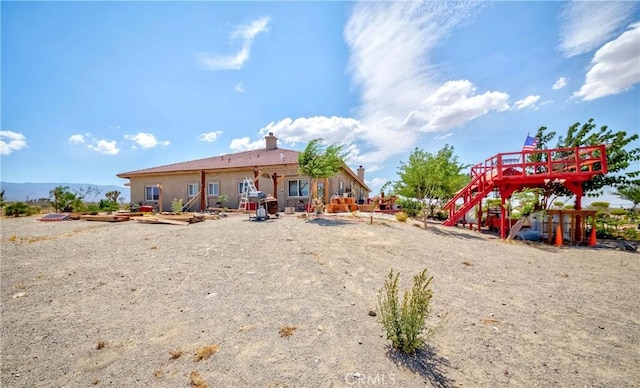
x,y
299,188
151,193
213,188
192,189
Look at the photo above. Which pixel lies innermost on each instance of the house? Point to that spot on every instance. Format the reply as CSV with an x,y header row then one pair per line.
x,y
199,183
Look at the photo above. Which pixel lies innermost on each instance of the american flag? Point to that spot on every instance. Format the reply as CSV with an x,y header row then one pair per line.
x,y
530,144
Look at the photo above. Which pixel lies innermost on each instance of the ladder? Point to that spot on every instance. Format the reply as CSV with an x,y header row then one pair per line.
x,y
247,187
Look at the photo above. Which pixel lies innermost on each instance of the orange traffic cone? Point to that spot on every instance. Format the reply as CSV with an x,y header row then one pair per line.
x,y
592,238
559,236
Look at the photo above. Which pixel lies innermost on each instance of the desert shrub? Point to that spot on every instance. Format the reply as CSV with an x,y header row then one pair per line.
x,y
602,231
409,206
441,216
401,216
20,209
405,322
619,212
108,205
93,208
631,234
176,205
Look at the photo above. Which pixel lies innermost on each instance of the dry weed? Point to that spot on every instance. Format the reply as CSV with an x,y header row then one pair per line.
x,y
487,321
157,373
287,331
95,382
175,354
197,381
101,344
205,352
468,264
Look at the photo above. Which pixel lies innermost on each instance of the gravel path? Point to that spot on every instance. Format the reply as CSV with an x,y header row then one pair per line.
x,y
506,314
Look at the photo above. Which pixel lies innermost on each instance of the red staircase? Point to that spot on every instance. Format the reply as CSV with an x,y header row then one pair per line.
x,y
481,184
513,171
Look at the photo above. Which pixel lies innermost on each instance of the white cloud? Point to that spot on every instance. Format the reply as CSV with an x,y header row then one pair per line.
x,y
210,136
11,141
238,88
560,83
334,130
401,91
146,140
376,183
246,33
615,67
453,105
442,137
529,101
585,25
244,144
76,139
105,147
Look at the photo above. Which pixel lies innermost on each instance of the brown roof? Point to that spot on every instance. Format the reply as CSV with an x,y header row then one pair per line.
x,y
246,159
254,158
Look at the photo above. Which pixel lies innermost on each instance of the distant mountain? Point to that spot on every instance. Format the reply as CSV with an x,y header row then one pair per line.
x,y
35,191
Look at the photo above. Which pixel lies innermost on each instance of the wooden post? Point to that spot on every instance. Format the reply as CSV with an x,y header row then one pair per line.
x,y
503,216
159,197
202,192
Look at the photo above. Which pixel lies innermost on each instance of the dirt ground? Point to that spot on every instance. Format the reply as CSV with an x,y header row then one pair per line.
x,y
131,304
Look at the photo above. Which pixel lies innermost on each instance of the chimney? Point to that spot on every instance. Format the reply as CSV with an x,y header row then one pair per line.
x,y
272,141
361,173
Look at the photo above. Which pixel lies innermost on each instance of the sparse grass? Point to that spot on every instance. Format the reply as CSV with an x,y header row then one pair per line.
x,y
405,322
196,380
402,216
101,345
287,331
175,354
205,352
154,247
468,264
95,382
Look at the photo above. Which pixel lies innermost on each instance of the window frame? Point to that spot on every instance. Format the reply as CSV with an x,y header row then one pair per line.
x,y
155,192
197,189
299,193
216,193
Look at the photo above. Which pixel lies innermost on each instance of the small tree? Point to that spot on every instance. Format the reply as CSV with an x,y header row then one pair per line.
x,y
318,161
62,198
112,196
430,179
621,155
630,192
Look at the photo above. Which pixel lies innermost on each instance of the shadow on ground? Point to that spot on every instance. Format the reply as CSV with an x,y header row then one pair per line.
x,y
332,221
425,362
457,234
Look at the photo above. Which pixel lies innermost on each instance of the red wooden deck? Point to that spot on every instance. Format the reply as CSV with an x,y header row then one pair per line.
x,y
512,171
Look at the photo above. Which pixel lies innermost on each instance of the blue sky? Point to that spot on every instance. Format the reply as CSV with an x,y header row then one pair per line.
x,y
90,90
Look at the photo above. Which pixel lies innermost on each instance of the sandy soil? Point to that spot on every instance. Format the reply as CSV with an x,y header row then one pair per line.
x,y
87,303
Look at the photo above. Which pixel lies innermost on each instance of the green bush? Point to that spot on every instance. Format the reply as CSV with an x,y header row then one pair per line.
x,y
176,205
19,209
631,234
405,323
619,212
409,206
